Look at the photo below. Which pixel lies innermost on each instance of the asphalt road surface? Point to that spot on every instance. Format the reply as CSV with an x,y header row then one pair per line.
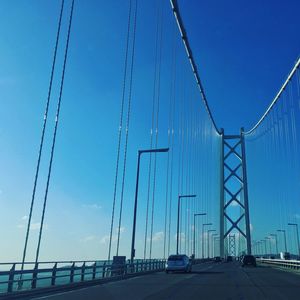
x,y
208,281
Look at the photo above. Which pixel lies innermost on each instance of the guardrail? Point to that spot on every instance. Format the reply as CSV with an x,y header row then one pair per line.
x,y
63,273
289,264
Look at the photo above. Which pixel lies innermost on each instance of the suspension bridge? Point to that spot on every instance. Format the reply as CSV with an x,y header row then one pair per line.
x,y
115,163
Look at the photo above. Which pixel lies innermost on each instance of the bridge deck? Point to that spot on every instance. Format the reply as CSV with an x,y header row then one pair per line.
x,y
207,281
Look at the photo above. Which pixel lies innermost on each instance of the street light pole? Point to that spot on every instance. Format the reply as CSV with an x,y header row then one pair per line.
x,y
265,242
194,240
140,152
285,246
256,248
252,247
178,214
297,233
276,242
206,224
208,231
260,248
269,239
216,238
213,236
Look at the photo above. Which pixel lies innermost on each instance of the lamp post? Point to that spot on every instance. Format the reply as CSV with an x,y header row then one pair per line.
x,y
269,239
253,247
276,241
284,235
213,236
203,225
265,242
297,233
178,214
194,240
256,244
261,248
208,231
258,248
140,152
216,238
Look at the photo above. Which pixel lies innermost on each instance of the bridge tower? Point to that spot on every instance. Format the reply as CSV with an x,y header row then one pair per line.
x,y
232,245
234,208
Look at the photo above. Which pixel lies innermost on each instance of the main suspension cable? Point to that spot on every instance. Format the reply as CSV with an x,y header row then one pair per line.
x,y
190,56
282,89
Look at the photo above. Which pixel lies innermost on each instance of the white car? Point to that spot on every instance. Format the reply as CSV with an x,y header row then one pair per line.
x,y
180,262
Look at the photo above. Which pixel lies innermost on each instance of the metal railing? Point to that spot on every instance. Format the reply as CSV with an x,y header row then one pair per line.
x,y
60,273
289,264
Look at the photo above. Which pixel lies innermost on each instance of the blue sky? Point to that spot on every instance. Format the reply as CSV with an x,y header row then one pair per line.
x,y
243,51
